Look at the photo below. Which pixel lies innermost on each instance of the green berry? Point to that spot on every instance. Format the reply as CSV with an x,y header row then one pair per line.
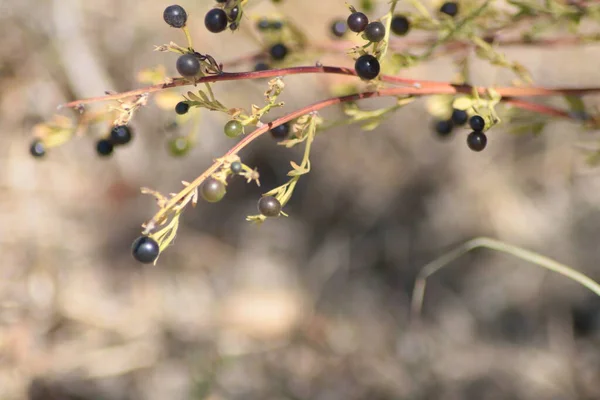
x,y
212,190
145,249
269,206
179,146
233,128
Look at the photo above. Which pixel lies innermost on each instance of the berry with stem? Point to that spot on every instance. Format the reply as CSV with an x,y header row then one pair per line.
x,y
269,206
357,22
145,249
236,167
233,128
280,132
182,108
400,25
367,67
449,8
476,141
120,135
104,147
188,65
37,149
175,16
212,190
375,32
477,123
459,117
216,20
278,51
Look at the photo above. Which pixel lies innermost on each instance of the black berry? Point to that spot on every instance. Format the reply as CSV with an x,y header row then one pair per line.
x,y
449,8
179,146
216,20
263,24
339,28
477,123
357,22
459,117
182,108
188,65
175,16
276,25
233,14
444,127
261,66
233,26
476,141
145,249
37,149
280,132
233,128
269,206
212,190
400,25
236,167
367,67
375,32
120,134
278,51
104,147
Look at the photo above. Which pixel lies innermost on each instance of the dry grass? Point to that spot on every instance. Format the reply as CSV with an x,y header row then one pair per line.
x,y
314,306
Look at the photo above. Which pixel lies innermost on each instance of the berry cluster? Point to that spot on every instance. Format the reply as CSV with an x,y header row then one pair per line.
x,y
476,140
119,136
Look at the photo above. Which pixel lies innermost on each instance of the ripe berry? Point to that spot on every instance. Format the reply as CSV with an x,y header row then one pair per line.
x,y
212,190
233,14
104,147
276,25
375,32
459,117
233,128
263,24
37,149
216,20
175,16
444,127
120,134
357,22
188,65
339,28
280,132
182,108
261,66
367,67
145,249
233,26
449,8
400,25
236,167
477,123
278,51
269,206
179,146
476,141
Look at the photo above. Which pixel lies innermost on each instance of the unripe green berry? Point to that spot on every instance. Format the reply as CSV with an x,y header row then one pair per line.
x,y
212,190
233,128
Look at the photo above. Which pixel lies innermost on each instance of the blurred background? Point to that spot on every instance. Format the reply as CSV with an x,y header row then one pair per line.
x,y
314,306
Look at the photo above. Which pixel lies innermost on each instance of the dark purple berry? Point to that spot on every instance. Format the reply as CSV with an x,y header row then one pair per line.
x,y
449,8
175,16
444,127
182,108
188,65
278,51
280,132
357,22
375,32
400,25
269,206
120,134
261,66
339,28
459,117
263,24
477,123
37,149
367,67
476,141
233,14
104,147
145,249
236,167
216,20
